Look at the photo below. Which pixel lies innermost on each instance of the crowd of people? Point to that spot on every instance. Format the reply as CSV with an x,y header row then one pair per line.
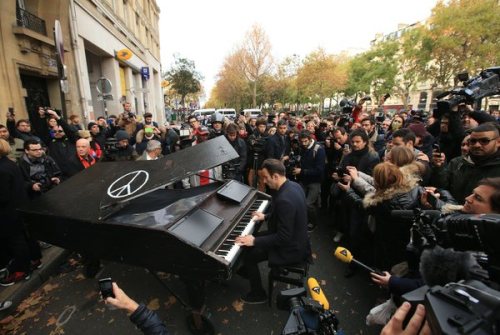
x,y
356,166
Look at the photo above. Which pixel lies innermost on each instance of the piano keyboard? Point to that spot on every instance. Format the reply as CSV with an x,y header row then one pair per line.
x,y
227,249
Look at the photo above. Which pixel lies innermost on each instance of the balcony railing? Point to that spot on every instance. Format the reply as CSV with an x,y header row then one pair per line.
x,y
27,20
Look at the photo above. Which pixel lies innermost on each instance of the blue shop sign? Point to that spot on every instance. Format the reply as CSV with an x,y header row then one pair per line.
x,y
145,72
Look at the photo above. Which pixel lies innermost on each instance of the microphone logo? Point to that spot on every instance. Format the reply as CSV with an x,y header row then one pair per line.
x,y
316,289
343,252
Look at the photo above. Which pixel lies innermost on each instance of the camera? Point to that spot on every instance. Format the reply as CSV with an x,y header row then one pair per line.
x,y
487,83
230,170
307,316
106,288
43,179
463,307
341,171
111,145
292,163
257,144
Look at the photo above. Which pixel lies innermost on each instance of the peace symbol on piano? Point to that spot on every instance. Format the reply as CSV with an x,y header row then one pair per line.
x,y
128,184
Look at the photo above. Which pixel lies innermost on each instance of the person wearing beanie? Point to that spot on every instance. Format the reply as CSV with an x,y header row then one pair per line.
x,y
121,150
98,134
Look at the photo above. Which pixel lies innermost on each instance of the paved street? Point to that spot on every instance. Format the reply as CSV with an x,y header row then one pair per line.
x,y
68,303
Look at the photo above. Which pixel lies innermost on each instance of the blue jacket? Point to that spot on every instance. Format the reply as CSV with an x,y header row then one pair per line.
x,y
312,164
148,321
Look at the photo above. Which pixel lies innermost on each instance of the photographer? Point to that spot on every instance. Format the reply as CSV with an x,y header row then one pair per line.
x,y
127,122
146,320
256,146
40,172
235,168
310,173
120,149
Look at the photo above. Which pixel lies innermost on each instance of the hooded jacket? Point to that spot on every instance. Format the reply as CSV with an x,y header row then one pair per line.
x,y
391,234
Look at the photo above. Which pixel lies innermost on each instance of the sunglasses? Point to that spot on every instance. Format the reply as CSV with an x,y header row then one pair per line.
x,y
482,140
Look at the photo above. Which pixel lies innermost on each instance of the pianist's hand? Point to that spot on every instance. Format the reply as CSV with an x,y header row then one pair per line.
x,y
258,216
247,240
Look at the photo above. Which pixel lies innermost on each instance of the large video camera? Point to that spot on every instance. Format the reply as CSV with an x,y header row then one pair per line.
x,y
466,307
257,144
487,83
307,316
44,180
231,169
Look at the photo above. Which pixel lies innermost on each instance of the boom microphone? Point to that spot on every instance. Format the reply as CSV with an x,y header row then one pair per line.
x,y
317,293
345,256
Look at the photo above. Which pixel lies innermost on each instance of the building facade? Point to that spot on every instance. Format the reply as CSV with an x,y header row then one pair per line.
x,y
95,34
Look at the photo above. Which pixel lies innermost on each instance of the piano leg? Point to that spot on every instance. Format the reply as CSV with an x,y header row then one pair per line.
x,y
197,323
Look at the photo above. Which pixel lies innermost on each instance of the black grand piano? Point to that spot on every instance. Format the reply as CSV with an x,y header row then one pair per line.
x,y
123,212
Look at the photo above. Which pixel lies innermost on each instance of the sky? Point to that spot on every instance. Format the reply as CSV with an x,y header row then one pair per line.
x,y
206,31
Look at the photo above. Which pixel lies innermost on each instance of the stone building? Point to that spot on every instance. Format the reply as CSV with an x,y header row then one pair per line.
x,y
96,34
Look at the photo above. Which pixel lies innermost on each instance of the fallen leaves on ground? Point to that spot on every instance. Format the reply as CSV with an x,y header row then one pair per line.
x,y
49,287
170,302
91,295
154,304
51,321
79,277
238,305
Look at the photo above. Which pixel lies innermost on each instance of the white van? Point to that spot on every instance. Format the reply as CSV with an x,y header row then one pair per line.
x,y
252,112
204,114
228,112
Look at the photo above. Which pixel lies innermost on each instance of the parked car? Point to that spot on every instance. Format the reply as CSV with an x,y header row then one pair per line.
x,y
230,113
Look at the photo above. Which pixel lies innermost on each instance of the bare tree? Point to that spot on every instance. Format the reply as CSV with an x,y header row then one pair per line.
x,y
256,57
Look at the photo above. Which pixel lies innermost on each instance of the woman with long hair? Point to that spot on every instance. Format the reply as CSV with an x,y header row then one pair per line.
x,y
393,190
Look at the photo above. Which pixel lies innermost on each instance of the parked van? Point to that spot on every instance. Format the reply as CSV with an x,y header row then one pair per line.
x,y
204,114
252,112
228,112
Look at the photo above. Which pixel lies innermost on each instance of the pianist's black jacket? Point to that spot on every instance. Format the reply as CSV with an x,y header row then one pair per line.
x,y
287,241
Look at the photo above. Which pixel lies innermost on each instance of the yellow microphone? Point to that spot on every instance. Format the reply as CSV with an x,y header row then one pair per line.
x,y
317,293
345,256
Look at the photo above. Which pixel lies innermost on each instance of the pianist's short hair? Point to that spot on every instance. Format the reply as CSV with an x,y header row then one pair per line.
x,y
274,166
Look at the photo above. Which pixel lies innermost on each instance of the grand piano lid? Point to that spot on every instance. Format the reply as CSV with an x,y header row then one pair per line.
x,y
105,188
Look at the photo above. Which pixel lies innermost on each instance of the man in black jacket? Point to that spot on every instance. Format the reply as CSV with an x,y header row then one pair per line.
x,y
286,242
278,145
40,172
310,173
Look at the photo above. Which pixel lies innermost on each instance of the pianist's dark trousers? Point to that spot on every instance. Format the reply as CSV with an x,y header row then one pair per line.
x,y
251,258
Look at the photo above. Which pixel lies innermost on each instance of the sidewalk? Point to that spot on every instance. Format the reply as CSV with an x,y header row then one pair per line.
x,y
51,259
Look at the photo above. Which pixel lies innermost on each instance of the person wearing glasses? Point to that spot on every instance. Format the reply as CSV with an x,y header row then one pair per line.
x,y
40,172
483,161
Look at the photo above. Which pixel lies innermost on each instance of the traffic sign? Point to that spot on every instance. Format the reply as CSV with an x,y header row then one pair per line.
x,y
104,86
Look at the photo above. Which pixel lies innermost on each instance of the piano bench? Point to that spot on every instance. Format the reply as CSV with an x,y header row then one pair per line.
x,y
290,274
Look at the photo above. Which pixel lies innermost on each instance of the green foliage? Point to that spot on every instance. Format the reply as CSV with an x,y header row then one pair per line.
x,y
373,70
465,35
184,78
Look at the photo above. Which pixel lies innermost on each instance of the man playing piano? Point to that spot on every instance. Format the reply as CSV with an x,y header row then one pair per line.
x,y
286,242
